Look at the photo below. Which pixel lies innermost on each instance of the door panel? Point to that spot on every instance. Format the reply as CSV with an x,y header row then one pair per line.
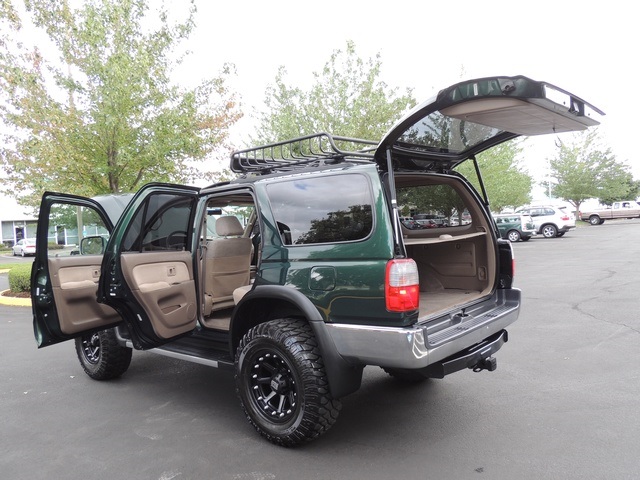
x,y
148,274
66,270
74,282
164,285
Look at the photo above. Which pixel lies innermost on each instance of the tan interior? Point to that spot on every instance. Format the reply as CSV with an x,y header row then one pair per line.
x,y
163,283
74,281
452,272
227,265
455,264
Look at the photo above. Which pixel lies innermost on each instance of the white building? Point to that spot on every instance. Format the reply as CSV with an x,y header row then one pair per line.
x,y
16,221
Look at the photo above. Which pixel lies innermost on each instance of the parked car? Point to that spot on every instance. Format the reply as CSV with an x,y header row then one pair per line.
x,y
550,220
410,224
515,226
431,220
427,223
299,273
26,246
624,209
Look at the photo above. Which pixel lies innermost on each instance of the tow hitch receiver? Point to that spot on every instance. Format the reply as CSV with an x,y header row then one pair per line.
x,y
489,364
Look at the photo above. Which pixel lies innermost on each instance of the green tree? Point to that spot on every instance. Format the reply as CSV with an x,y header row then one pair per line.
x,y
505,180
584,169
347,98
100,114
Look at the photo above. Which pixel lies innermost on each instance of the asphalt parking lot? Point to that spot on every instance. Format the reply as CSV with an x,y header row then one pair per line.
x,y
564,402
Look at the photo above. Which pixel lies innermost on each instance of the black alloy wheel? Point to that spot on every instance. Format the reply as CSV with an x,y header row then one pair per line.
x,y
282,384
101,356
90,345
274,389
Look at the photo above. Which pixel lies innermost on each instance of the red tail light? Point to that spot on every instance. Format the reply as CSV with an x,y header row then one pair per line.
x,y
402,286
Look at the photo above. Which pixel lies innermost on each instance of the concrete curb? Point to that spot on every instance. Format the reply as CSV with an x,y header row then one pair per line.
x,y
13,301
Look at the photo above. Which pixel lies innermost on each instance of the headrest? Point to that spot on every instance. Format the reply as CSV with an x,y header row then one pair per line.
x,y
229,226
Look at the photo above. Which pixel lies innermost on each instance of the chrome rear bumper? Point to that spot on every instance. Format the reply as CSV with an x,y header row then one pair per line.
x,y
414,348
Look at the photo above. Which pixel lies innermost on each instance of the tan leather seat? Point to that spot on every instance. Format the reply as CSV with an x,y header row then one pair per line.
x,y
228,264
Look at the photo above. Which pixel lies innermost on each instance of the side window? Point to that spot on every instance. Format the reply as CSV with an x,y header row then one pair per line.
x,y
162,222
75,230
434,206
242,208
336,208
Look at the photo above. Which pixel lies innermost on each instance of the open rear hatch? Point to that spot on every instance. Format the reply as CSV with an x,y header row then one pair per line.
x,y
459,265
472,116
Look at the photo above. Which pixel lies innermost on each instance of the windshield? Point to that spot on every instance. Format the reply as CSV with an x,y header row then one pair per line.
x,y
439,133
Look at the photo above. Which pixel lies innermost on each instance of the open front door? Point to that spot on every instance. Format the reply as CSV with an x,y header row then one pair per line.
x,y
149,265
72,233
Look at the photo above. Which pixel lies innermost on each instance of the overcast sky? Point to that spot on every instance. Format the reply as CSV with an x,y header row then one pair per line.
x,y
589,49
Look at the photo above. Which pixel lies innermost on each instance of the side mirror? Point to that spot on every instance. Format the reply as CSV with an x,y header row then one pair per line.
x,y
93,245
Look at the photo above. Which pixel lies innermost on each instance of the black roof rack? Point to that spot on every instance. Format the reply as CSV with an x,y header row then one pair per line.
x,y
311,150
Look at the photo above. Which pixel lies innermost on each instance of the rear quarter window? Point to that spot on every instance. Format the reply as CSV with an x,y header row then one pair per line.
x,y
330,209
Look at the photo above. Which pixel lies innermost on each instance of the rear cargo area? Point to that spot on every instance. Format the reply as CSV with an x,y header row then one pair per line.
x,y
456,262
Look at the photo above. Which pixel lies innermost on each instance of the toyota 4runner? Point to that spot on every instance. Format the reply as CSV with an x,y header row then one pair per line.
x,y
299,273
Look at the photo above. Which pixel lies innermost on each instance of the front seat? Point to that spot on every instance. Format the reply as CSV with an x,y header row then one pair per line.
x,y
228,264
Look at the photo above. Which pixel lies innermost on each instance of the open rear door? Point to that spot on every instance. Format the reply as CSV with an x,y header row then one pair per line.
x,y
149,265
469,117
72,233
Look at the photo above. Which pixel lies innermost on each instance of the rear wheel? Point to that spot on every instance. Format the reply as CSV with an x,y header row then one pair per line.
x,y
513,236
549,231
101,356
282,384
594,220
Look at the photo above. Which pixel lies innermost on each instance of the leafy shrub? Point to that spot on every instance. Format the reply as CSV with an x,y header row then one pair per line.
x,y
20,278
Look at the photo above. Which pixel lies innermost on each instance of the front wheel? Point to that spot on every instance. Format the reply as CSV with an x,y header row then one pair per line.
x,y
282,384
549,231
101,356
594,220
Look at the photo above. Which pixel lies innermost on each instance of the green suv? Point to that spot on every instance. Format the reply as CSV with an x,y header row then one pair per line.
x,y
515,226
299,273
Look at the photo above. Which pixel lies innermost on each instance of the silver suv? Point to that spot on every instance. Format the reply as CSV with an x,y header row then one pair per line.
x,y
550,220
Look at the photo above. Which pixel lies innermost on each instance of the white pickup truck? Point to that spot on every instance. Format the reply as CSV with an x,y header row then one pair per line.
x,y
624,209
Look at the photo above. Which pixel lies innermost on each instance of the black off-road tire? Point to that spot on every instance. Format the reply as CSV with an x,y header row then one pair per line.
x,y
101,356
282,384
406,376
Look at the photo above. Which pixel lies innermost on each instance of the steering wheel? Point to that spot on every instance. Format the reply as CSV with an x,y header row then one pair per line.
x,y
177,239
